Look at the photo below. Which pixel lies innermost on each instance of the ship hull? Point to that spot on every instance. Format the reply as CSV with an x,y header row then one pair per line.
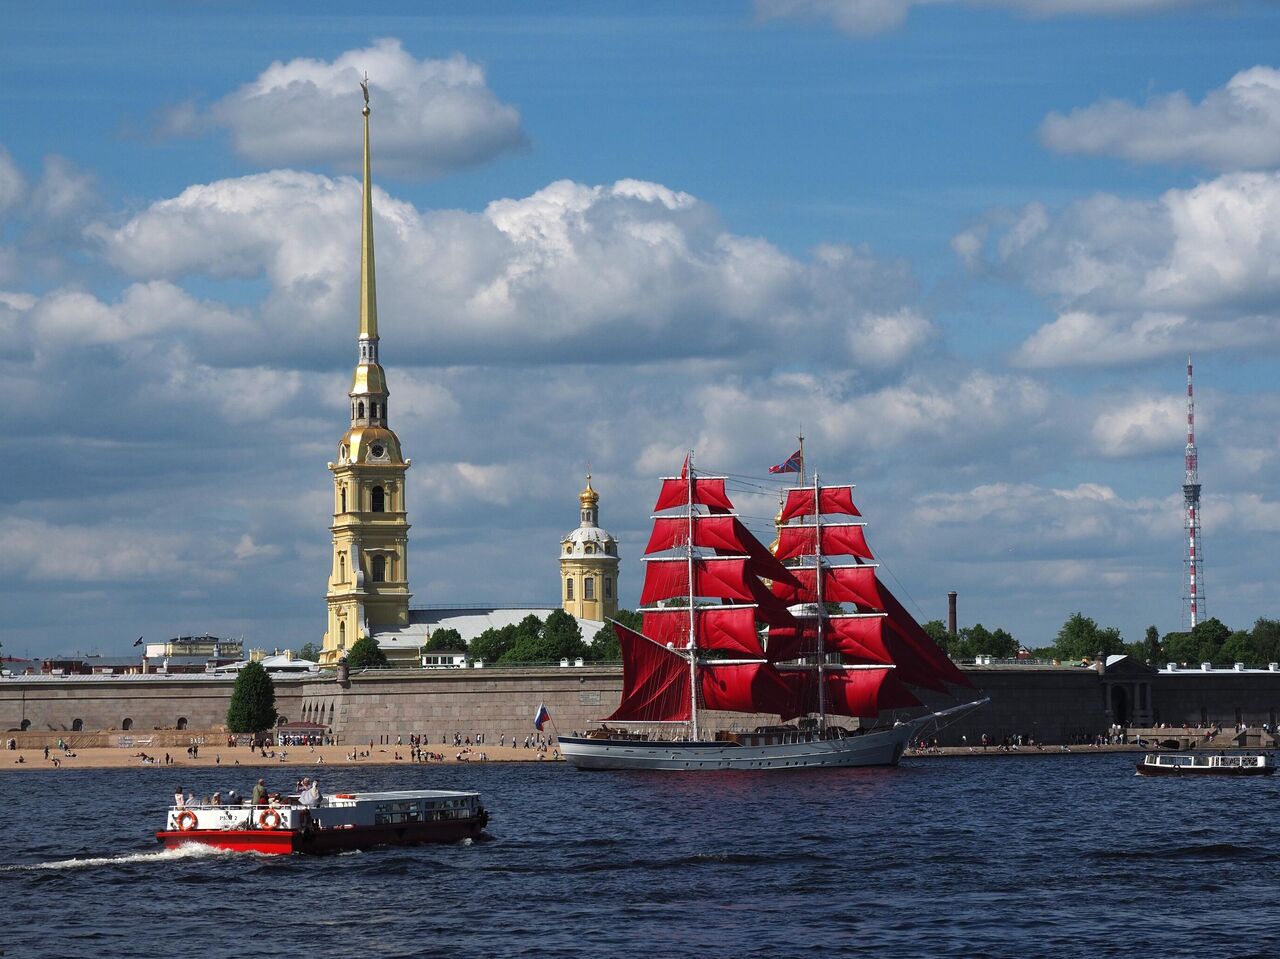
x,y
876,748
321,841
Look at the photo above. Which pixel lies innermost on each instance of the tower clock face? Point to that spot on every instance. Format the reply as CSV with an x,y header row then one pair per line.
x,y
377,451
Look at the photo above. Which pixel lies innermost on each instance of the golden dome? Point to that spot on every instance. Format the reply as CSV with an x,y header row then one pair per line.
x,y
371,444
589,498
369,379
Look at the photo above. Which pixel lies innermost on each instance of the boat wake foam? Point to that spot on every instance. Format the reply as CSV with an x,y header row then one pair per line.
x,y
188,851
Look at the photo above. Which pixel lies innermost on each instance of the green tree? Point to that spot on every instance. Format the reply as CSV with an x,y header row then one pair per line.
x,y
493,643
1238,648
1081,637
446,639
1265,638
560,637
365,654
1202,645
977,640
253,701
1153,649
605,647
310,652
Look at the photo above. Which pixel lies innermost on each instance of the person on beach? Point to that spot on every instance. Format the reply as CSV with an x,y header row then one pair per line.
x,y
260,793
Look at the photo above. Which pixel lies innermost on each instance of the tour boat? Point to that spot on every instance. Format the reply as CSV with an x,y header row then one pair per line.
x,y
340,822
1206,764
727,626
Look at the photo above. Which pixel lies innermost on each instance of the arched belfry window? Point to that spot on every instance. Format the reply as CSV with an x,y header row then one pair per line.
x,y
342,567
344,498
379,569
342,635
378,500
360,410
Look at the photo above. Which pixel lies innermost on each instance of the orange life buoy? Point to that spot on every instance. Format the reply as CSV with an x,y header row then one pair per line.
x,y
269,819
187,820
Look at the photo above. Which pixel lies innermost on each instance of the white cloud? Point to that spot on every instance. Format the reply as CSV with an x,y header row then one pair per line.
x,y
74,319
864,17
572,272
1140,425
1138,279
431,117
1236,127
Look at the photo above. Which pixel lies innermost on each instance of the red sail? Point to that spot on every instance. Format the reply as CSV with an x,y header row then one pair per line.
x,y
745,688
831,499
857,638
850,692
865,692
921,642
723,533
707,490
840,584
843,539
655,681
732,628
723,578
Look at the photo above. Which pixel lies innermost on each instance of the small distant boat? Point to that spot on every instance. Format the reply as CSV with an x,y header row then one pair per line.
x,y
341,822
1206,764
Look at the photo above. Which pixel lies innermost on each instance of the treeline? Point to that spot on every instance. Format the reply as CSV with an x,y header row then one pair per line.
x,y
1082,638
534,641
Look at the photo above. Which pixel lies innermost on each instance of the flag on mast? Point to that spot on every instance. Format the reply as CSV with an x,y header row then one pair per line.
x,y
138,641
542,717
793,464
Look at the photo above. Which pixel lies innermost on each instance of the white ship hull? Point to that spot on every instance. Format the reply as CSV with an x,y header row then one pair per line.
x,y
879,747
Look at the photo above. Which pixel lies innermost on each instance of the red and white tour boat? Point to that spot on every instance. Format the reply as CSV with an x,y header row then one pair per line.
x,y
340,822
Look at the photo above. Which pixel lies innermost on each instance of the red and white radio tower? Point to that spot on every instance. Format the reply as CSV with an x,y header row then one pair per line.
x,y
1191,498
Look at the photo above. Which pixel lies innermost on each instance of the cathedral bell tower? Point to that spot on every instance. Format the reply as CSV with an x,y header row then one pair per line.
x,y
589,563
369,577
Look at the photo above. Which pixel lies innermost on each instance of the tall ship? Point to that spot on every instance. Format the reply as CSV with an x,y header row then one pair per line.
x,y
727,626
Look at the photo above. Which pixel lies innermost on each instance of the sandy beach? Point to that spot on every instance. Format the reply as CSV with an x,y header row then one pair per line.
x,y
107,757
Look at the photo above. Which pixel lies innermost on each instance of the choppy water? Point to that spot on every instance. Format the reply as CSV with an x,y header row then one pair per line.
x,y
1053,856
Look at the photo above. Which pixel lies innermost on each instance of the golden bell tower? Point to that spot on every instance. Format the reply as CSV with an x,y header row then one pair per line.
x,y
369,578
589,564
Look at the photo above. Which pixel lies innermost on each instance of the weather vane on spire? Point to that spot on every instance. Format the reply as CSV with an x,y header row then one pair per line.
x,y
364,86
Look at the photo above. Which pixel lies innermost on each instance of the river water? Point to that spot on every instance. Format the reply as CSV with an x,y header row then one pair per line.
x,y
1044,856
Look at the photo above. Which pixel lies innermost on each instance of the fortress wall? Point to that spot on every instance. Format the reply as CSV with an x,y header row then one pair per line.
x,y
1049,704
102,703
1222,698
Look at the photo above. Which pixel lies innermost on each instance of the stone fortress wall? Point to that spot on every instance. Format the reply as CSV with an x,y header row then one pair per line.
x,y
1050,704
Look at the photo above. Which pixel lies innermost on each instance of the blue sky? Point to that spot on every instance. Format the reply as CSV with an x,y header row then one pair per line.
x,y
965,245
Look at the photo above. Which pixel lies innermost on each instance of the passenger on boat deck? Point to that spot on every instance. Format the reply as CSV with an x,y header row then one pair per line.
x,y
216,799
260,793
178,801
310,795
191,798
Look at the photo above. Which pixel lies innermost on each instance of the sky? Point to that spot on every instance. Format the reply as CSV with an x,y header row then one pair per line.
x,y
964,246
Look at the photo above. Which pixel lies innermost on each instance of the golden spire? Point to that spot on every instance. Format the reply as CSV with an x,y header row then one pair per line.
x,y
368,289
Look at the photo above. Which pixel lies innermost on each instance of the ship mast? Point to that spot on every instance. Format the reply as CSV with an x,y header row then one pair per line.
x,y
693,635
822,609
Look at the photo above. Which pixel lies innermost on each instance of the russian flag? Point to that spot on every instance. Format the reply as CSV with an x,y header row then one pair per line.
x,y
542,717
793,464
